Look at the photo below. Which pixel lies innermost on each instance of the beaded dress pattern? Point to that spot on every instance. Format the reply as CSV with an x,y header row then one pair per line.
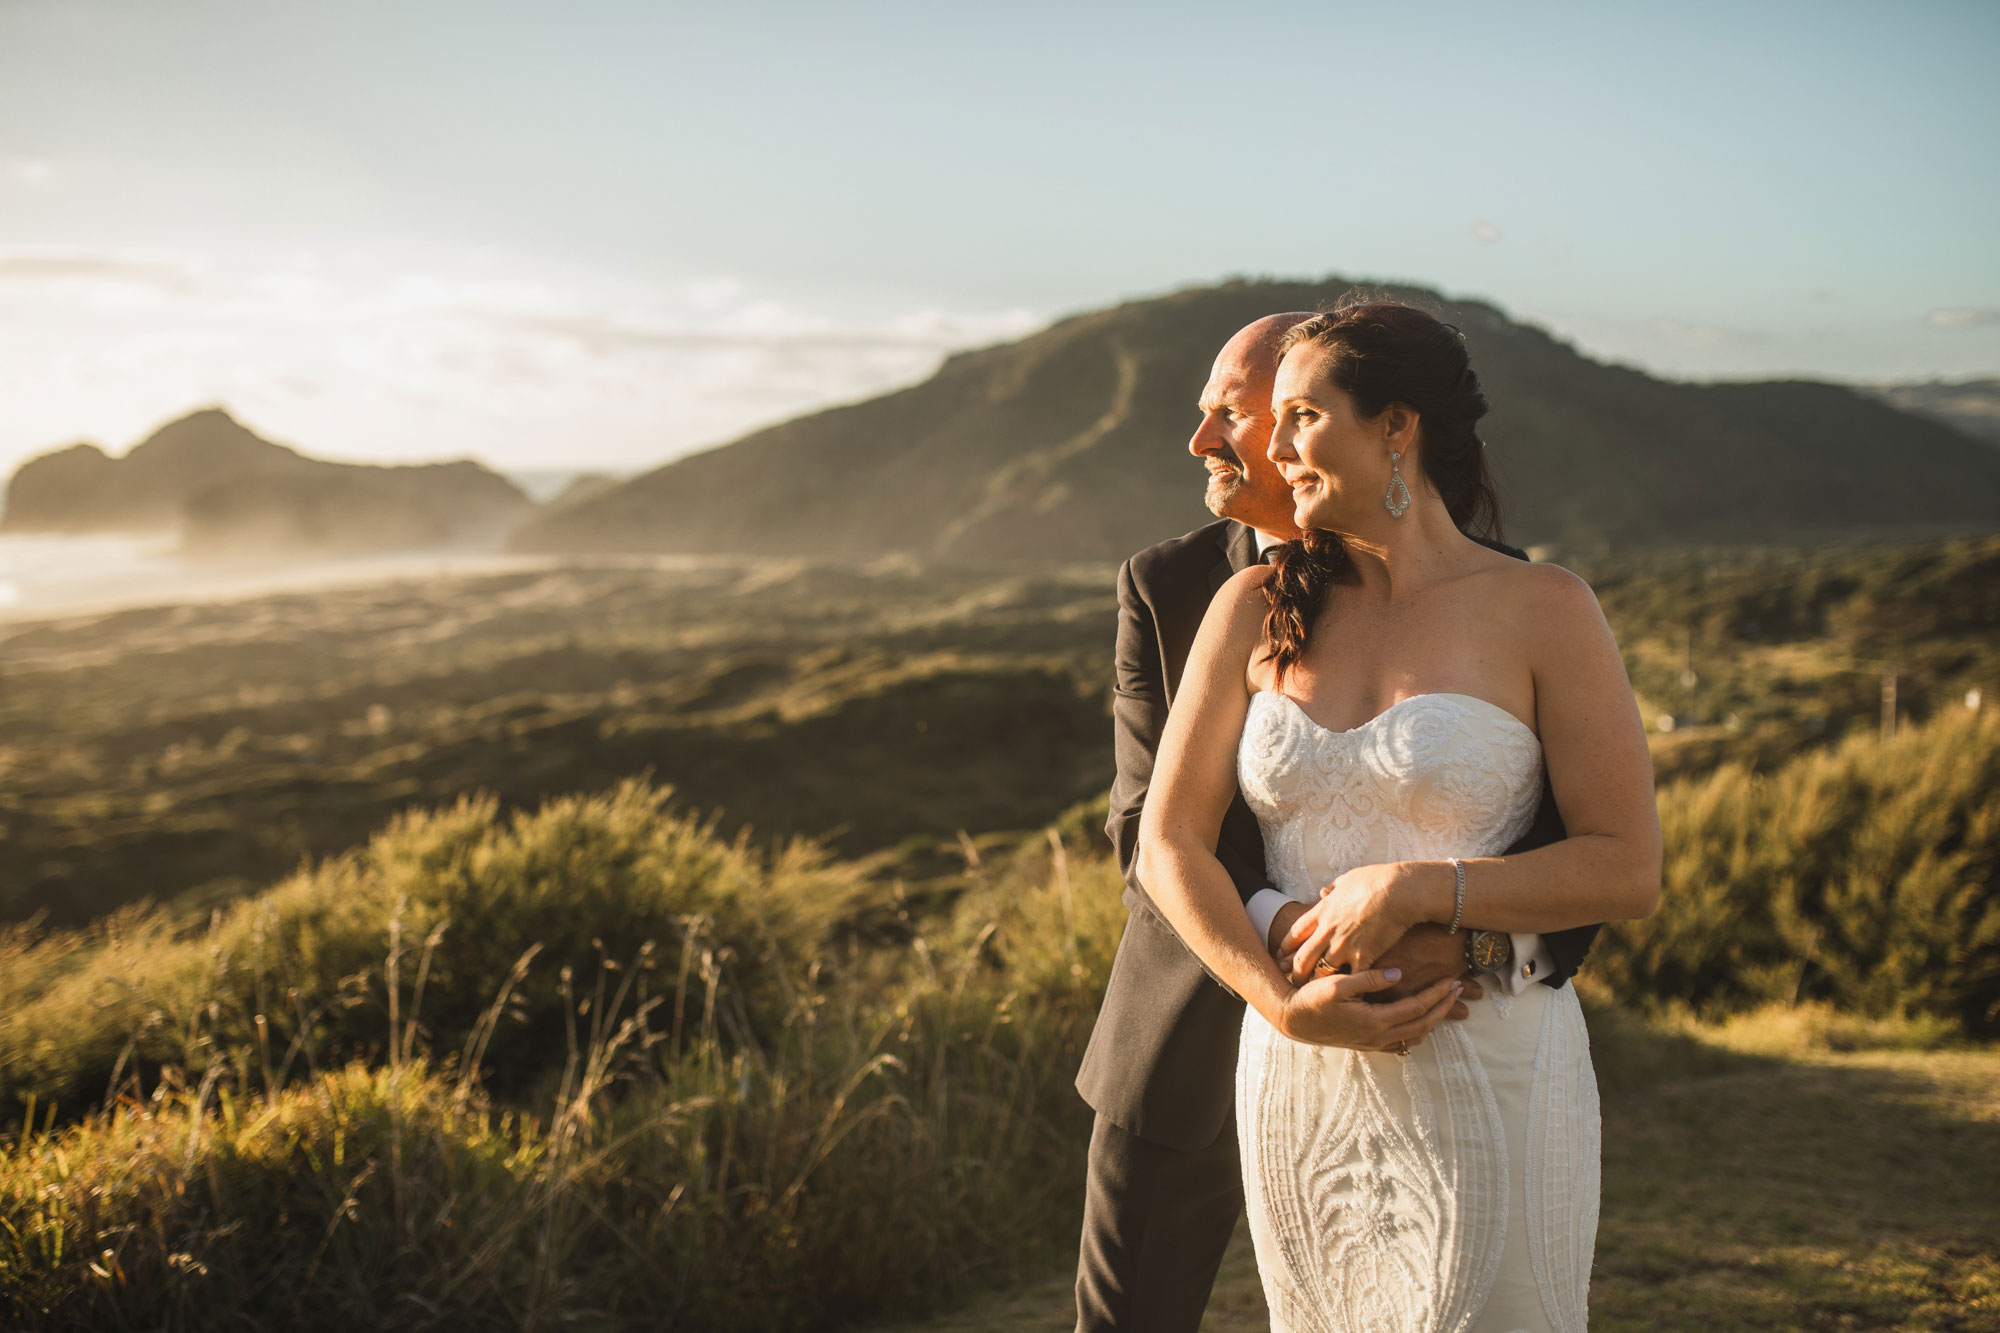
x,y
1453,1190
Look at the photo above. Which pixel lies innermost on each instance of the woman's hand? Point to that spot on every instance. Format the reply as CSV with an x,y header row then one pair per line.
x,y
1357,919
1333,1011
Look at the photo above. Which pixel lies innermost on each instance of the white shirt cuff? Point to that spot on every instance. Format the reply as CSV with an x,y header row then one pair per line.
x,y
1533,964
1263,909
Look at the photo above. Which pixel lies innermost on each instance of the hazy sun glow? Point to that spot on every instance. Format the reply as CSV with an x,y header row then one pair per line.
x,y
357,357
604,233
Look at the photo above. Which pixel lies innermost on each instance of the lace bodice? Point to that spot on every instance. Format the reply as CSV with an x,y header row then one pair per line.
x,y
1431,776
1382,1192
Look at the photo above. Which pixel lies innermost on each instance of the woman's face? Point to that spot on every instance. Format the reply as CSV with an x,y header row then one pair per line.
x,y
1335,462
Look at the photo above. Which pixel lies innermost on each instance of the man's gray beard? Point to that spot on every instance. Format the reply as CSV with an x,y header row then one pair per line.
x,y
1222,494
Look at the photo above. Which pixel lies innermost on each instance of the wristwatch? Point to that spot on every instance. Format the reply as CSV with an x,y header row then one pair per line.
x,y
1488,950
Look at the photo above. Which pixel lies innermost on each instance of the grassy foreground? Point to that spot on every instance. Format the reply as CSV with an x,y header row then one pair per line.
x,y
598,1066
710,1094
1754,1178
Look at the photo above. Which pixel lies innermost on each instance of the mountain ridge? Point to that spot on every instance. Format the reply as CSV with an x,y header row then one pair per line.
x,y
1069,444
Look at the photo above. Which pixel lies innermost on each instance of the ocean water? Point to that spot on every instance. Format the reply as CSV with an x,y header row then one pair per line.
x,y
52,576
42,573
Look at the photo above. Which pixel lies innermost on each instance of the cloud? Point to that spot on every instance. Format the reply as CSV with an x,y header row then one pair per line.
x,y
768,327
1952,317
381,358
97,268
1486,231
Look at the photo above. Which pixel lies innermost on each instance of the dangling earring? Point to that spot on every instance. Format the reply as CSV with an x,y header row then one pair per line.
x,y
1397,501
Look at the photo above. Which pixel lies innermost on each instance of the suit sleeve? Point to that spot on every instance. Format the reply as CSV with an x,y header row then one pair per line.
x,y
1138,716
1567,948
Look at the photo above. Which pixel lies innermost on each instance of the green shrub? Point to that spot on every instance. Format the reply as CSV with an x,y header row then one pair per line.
x,y
775,1139
1866,876
848,1145
428,923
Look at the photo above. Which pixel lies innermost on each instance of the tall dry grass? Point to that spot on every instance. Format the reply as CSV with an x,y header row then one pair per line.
x,y
1866,876
428,917
597,1066
735,1124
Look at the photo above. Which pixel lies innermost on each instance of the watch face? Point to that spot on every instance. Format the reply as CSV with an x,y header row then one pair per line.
x,y
1491,949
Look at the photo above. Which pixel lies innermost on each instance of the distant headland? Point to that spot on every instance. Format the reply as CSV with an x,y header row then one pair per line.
x,y
228,492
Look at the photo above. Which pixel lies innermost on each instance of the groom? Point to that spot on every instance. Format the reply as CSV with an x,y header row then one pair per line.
x,y
1164,1188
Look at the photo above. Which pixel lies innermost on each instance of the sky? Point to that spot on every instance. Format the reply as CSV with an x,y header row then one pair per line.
x,y
602,233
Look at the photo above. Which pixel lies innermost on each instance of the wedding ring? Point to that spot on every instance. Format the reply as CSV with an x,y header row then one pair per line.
x,y
1402,1048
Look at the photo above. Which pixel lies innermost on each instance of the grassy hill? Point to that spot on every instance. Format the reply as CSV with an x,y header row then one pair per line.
x,y
147,753
1069,444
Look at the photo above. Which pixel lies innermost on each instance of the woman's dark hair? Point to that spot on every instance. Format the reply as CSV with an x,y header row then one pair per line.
x,y
1379,353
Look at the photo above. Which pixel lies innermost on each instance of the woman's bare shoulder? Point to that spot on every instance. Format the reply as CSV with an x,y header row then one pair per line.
x,y
1237,613
1553,610
1244,594
1532,586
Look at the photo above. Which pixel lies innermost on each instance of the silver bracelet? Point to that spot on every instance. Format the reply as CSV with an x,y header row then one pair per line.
x,y
1458,908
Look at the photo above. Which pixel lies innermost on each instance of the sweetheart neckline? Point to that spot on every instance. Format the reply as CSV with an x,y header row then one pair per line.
x,y
1319,726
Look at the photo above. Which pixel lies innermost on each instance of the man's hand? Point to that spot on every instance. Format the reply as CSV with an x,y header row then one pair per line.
x,y
1427,954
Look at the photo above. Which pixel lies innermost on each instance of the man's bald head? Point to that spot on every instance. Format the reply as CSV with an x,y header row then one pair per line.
x,y
1235,430
1255,346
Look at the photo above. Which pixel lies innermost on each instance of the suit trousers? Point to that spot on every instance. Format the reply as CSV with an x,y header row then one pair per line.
x,y
1155,1223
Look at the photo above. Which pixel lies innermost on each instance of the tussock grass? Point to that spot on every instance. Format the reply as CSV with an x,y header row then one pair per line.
x,y
730,1129
407,941
1865,877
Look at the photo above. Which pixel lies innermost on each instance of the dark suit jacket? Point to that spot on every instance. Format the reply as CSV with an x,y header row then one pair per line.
x,y
1162,1058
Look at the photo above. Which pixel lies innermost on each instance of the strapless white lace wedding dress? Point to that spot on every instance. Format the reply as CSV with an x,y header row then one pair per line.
x,y
1454,1190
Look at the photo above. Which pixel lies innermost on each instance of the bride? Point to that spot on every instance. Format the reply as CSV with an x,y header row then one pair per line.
x,y
1386,695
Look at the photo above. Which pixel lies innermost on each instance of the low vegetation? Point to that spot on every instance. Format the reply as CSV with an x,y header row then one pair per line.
x,y
741,1120
1760,655
1866,876
530,1057
729,1090
191,755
